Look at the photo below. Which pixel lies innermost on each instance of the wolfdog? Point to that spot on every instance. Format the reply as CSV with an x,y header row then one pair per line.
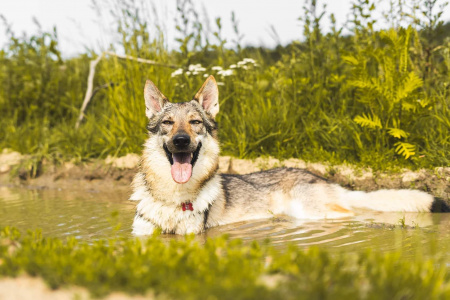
x,y
181,192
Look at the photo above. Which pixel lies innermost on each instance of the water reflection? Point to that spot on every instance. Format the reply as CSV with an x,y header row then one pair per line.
x,y
84,215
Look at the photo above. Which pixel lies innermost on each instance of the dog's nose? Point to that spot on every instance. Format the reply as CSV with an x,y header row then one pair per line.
x,y
181,140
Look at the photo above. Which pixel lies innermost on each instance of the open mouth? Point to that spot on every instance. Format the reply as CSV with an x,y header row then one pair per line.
x,y
182,163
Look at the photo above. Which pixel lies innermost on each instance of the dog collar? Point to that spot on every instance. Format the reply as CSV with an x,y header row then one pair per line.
x,y
187,206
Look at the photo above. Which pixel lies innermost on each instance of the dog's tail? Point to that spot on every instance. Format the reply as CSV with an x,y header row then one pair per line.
x,y
393,201
439,205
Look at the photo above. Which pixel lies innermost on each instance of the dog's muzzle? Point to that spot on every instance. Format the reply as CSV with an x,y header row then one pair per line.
x,y
182,162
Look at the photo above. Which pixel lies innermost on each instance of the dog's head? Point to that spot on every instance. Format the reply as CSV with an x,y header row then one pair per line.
x,y
182,127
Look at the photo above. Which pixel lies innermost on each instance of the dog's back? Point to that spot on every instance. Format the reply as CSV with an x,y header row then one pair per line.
x,y
301,194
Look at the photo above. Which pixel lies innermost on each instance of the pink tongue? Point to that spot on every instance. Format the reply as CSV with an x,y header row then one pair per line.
x,y
181,168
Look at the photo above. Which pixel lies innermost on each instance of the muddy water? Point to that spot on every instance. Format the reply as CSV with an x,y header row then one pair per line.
x,y
92,215
83,215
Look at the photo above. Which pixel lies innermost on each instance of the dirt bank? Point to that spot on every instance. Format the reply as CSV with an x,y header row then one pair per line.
x,y
29,288
115,174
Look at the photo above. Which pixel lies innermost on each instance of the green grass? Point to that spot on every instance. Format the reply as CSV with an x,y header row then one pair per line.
x,y
221,269
374,98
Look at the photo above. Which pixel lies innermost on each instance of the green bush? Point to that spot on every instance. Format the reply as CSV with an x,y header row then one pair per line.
x,y
378,98
221,269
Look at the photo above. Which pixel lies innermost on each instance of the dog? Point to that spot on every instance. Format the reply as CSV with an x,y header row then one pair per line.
x,y
180,191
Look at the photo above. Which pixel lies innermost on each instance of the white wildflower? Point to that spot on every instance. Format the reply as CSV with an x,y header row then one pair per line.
x,y
249,60
246,63
176,72
217,68
220,83
225,73
188,73
195,73
233,66
194,67
205,75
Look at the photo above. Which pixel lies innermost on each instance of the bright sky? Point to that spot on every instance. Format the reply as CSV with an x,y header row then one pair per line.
x,y
79,26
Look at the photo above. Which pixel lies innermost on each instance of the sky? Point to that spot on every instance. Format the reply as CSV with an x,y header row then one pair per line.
x,y
80,27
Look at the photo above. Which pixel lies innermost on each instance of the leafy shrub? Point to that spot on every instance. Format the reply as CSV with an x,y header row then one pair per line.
x,y
373,97
221,269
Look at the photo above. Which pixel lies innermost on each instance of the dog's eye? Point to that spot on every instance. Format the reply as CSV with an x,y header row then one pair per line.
x,y
195,122
167,122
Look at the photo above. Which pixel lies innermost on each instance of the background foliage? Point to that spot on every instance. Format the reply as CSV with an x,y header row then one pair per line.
x,y
378,98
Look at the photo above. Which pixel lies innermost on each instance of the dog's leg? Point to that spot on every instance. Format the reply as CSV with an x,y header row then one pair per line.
x,y
142,226
316,201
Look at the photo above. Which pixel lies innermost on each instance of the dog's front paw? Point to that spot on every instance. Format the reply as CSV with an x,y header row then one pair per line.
x,y
142,226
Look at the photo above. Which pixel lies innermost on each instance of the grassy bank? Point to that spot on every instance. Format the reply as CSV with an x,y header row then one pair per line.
x,y
221,269
377,98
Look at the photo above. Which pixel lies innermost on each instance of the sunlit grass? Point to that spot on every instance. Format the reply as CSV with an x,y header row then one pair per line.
x,y
316,100
221,268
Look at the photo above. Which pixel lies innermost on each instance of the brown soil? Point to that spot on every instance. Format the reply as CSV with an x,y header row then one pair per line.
x,y
115,174
29,288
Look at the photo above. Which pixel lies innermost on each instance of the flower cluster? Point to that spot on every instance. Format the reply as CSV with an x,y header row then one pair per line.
x,y
222,72
192,70
245,64
177,72
196,69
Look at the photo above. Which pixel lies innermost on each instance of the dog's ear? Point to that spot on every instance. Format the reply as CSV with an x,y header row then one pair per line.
x,y
208,96
154,99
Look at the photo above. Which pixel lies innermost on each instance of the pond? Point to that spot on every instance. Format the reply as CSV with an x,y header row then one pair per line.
x,y
93,215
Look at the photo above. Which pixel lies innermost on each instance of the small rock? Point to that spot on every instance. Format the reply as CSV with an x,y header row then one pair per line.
x,y
242,166
129,161
410,176
322,169
265,163
442,170
352,173
9,158
294,163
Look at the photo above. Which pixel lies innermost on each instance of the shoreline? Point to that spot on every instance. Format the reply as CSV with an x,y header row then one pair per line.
x,y
26,287
117,173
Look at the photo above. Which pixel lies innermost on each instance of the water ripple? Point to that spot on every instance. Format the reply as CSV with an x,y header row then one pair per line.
x,y
90,216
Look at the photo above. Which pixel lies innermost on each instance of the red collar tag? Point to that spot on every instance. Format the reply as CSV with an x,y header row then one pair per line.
x,y
187,206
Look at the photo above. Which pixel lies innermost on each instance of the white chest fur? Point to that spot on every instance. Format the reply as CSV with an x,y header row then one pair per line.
x,y
169,215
